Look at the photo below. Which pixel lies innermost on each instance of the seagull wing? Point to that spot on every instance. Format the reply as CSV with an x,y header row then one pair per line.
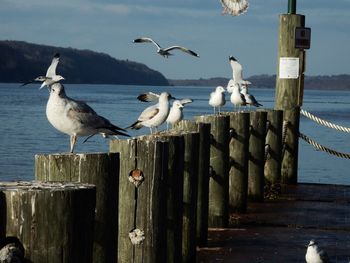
x,y
185,101
147,97
146,40
51,71
149,113
236,70
182,49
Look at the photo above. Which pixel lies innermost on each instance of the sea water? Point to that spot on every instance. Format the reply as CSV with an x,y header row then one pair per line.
x,y
25,130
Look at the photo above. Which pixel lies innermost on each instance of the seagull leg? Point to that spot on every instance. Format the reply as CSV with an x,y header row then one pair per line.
x,y
73,139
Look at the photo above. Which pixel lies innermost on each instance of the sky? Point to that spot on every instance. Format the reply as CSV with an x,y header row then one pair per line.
x,y
110,26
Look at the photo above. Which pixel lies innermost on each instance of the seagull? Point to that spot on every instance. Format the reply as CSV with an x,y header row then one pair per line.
x,y
237,72
154,115
164,51
176,114
236,97
316,255
217,98
249,98
51,76
76,118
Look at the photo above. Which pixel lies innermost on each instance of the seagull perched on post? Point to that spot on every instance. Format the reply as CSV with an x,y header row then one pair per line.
x,y
316,255
176,114
237,72
154,115
217,98
165,51
237,98
51,76
76,118
249,98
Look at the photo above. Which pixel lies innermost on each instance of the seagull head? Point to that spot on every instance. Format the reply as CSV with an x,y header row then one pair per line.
x,y
232,58
178,104
167,96
312,243
57,89
220,89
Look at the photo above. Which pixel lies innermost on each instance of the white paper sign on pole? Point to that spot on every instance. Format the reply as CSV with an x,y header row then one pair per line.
x,y
289,68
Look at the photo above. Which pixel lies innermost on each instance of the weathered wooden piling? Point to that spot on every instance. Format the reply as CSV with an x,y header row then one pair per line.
x,y
100,169
142,199
190,197
289,166
256,156
203,175
53,221
219,166
239,154
274,144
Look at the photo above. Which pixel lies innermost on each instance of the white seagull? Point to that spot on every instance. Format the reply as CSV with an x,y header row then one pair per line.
x,y
237,72
316,255
164,51
249,98
51,76
217,98
237,98
176,111
76,118
154,115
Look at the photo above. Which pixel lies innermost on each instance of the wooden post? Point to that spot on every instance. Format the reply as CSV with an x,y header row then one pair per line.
x,y
190,197
274,144
100,169
203,175
142,199
256,156
53,221
239,154
289,87
290,147
219,162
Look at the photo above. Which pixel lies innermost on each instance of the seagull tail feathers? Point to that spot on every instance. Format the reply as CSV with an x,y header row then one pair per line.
x,y
135,126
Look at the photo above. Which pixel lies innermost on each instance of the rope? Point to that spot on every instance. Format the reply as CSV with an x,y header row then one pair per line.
x,y
319,147
323,122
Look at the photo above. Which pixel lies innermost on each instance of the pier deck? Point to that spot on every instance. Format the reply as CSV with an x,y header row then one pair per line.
x,y
279,230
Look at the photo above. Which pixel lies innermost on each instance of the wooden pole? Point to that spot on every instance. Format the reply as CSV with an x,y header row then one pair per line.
x,y
290,146
100,169
274,144
239,154
256,156
289,81
219,162
53,221
203,175
142,202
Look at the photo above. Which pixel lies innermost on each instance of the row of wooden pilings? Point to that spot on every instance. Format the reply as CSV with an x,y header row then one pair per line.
x,y
156,195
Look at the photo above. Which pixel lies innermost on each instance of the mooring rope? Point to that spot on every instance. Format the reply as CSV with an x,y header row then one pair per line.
x,y
323,122
320,147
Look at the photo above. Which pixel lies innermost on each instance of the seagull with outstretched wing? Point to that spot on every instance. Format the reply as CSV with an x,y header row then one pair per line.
x,y
237,70
165,51
51,76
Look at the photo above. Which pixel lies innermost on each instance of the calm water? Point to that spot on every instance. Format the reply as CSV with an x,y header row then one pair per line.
x,y
26,131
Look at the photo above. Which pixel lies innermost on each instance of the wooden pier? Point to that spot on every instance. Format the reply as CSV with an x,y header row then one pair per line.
x,y
278,230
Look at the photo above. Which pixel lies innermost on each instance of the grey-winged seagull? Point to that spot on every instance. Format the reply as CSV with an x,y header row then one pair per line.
x,y
316,255
249,98
176,111
236,98
237,72
51,76
165,51
76,118
217,98
154,115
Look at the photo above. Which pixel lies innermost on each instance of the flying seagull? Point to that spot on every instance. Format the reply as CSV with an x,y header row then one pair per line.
x,y
154,115
76,118
249,98
51,76
316,255
237,72
164,51
176,114
217,98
